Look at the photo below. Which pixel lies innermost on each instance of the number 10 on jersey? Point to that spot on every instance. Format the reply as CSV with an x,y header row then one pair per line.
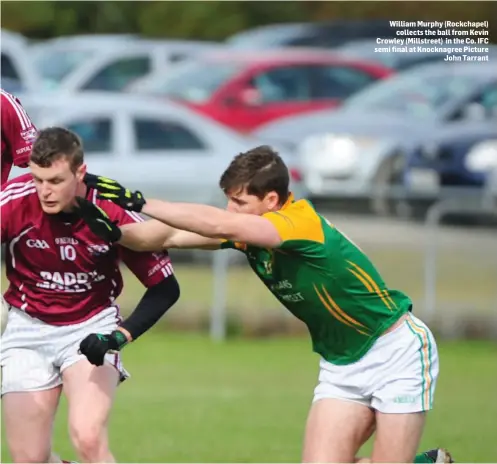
x,y
67,253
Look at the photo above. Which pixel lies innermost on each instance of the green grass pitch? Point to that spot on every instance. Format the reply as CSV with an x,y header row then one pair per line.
x,y
192,400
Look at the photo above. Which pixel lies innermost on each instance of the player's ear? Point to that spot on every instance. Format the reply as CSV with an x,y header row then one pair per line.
x,y
80,172
271,201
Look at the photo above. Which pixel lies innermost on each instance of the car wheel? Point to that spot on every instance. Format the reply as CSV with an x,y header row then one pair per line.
x,y
386,198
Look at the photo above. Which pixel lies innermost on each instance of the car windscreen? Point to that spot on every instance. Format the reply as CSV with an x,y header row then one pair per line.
x,y
415,94
55,65
194,81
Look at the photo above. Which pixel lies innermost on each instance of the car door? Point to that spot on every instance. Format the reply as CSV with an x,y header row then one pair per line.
x,y
98,133
333,83
282,91
171,159
264,94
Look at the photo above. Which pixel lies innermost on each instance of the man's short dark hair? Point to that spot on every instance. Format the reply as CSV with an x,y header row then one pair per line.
x,y
54,143
260,171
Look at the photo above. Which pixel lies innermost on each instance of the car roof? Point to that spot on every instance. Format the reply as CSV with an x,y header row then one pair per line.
x,y
278,55
98,100
117,45
481,69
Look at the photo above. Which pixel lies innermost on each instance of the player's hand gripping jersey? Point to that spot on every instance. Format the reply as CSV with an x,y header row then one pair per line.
x,y
60,272
327,282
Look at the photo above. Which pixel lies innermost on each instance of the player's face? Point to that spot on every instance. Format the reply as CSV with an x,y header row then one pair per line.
x,y
242,202
58,185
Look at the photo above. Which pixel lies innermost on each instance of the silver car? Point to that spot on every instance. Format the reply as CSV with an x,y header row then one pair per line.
x,y
107,63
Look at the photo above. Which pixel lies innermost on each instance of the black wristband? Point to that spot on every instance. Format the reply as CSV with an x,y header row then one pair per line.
x,y
153,305
120,339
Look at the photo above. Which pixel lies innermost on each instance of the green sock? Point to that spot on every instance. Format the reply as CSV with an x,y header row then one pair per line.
x,y
423,458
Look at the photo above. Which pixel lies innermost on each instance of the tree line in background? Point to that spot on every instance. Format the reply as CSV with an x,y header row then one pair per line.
x,y
216,20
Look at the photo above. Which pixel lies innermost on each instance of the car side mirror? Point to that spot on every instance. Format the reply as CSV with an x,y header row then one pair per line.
x,y
231,101
250,97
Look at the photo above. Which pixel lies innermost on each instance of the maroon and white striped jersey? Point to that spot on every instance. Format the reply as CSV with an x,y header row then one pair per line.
x,y
18,134
60,272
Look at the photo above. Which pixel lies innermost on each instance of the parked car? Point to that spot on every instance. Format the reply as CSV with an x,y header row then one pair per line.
x,y
323,34
164,149
107,63
455,157
459,163
368,50
245,90
359,150
17,72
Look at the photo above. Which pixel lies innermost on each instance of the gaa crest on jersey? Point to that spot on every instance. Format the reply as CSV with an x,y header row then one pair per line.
x,y
37,243
98,250
29,135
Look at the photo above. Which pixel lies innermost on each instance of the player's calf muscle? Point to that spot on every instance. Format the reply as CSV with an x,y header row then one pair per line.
x,y
397,436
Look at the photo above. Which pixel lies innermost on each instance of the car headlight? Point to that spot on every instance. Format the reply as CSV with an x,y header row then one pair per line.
x,y
333,154
482,157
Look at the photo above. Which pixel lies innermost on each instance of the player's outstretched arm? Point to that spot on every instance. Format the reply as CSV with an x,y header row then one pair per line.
x,y
142,236
203,220
145,236
154,235
209,221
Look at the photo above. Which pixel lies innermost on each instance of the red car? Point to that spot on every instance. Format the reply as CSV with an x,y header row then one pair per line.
x,y
246,89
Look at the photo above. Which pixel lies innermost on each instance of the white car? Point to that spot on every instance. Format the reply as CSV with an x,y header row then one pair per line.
x,y
163,149
107,63
19,75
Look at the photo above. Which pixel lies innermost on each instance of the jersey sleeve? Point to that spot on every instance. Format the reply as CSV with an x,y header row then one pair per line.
x,y
7,200
5,214
13,207
19,130
149,268
228,244
300,229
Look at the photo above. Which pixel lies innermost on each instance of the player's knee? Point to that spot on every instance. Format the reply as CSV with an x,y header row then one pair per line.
x,y
90,442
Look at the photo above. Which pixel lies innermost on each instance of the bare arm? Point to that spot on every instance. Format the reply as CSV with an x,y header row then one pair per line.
x,y
155,236
209,221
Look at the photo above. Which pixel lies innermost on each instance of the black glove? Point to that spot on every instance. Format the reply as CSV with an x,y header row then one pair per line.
x,y
112,190
95,346
98,221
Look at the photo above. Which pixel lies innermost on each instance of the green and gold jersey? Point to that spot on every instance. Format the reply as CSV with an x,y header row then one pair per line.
x,y
326,281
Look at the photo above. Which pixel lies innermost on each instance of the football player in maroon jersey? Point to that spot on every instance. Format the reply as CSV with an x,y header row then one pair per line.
x,y
64,326
18,134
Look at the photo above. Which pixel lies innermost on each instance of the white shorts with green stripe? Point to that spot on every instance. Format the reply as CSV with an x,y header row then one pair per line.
x,y
397,375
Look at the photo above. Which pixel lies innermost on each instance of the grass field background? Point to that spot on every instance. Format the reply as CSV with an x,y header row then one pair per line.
x,y
192,400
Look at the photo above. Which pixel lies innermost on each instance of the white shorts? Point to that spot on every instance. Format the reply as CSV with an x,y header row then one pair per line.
x,y
397,375
34,353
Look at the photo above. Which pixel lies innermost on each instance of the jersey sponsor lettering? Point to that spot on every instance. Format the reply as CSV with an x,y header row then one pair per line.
x,y
66,241
69,281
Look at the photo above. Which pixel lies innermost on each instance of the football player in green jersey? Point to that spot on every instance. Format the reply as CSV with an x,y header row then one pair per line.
x,y
378,362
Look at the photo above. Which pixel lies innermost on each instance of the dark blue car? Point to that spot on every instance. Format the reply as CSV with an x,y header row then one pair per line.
x,y
460,157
